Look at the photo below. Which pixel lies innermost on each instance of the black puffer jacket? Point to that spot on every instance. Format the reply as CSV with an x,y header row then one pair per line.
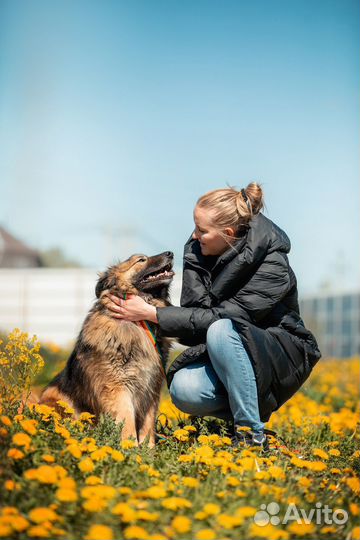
x,y
253,284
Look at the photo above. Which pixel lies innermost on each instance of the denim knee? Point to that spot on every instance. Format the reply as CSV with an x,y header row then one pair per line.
x,y
218,332
182,392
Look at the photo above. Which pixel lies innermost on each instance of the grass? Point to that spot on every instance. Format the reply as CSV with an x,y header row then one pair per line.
x,y
67,478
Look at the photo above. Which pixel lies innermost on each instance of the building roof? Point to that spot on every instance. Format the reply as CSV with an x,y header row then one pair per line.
x,y
10,244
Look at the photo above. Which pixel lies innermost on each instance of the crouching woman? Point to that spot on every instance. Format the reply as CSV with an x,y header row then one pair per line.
x,y
249,350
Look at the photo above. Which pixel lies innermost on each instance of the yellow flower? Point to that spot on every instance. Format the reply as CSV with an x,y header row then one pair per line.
x,y
21,439
103,492
328,530
144,515
127,513
204,454
66,495
354,484
156,492
86,417
74,450
20,524
188,481
185,458
229,522
14,453
205,534
276,472
94,505
99,532
181,435
127,444
29,426
38,532
176,503
334,452
41,514
10,485
200,516
99,455
355,533
267,531
320,453
86,465
245,511
93,480
302,529
304,482
117,455
181,524
67,483
48,458
354,509
136,533
43,474
6,421
211,509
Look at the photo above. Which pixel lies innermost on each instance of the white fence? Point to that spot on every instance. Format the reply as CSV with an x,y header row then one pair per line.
x,y
51,303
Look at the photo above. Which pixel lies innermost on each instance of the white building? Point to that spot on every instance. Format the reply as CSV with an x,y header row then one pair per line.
x,y
51,303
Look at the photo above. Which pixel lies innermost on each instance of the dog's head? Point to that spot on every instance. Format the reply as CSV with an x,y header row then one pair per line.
x,y
139,273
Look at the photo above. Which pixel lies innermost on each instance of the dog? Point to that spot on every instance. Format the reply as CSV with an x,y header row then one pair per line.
x,y
117,366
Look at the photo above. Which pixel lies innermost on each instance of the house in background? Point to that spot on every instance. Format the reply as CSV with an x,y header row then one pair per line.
x,y
15,254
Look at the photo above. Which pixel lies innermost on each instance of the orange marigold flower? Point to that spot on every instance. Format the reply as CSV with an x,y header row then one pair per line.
x,y
14,453
136,533
66,495
181,524
97,532
29,426
21,439
42,514
86,465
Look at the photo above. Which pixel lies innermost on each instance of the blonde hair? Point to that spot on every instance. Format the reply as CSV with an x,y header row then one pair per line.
x,y
233,208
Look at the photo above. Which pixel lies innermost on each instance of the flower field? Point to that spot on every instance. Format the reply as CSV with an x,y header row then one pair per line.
x,y
62,477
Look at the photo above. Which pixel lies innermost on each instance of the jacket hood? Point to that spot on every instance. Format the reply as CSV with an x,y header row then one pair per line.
x,y
261,236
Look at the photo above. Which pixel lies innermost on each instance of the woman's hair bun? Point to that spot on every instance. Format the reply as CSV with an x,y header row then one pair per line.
x,y
255,196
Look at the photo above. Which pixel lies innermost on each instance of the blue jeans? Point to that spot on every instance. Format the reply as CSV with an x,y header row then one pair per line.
x,y
226,387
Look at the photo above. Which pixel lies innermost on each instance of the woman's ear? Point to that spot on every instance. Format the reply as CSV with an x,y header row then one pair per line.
x,y
230,231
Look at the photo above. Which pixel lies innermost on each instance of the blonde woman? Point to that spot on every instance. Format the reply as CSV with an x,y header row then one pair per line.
x,y
249,350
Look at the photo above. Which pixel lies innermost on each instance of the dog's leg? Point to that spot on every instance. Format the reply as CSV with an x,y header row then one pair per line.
x,y
148,427
125,413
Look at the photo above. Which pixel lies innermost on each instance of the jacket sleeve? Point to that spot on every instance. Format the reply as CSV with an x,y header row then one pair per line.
x,y
251,303
190,324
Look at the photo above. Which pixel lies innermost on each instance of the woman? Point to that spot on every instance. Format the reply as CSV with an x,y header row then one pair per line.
x,y
249,350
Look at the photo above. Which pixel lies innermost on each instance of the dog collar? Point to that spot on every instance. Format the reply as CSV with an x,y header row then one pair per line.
x,y
145,325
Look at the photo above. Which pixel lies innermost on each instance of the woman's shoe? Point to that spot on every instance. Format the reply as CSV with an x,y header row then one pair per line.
x,y
248,438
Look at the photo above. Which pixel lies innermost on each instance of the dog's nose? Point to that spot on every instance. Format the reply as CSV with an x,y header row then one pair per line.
x,y
169,254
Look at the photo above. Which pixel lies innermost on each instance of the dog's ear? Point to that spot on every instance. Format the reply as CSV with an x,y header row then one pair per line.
x,y
104,282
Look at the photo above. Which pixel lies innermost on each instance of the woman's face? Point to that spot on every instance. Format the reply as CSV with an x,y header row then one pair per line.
x,y
211,241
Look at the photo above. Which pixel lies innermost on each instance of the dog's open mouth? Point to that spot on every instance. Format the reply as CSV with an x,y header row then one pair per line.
x,y
161,274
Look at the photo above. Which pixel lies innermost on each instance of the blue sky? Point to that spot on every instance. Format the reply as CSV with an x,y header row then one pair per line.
x,y
115,116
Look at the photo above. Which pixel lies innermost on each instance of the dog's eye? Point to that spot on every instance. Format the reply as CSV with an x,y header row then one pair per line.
x,y
142,259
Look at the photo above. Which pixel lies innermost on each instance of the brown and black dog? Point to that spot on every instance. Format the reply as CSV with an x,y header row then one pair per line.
x,y
115,367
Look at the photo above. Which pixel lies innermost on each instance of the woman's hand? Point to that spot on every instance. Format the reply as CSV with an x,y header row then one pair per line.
x,y
134,308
